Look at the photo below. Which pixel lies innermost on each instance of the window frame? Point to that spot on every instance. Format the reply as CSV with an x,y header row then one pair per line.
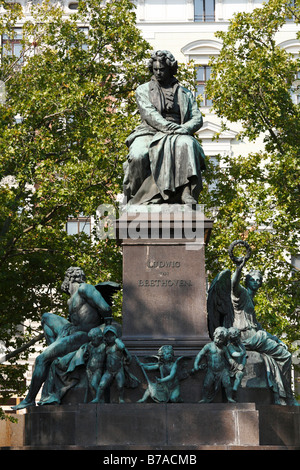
x,y
206,102
202,5
82,219
12,41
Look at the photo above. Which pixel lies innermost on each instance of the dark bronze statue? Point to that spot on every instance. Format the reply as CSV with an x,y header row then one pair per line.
x,y
117,360
165,160
88,307
231,304
218,364
95,356
238,353
165,388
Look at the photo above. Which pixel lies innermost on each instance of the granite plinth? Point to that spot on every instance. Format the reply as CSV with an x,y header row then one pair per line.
x,y
162,426
164,302
164,281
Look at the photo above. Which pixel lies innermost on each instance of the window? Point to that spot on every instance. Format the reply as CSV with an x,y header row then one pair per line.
x,y
73,6
295,261
84,30
204,10
213,186
12,46
203,75
75,226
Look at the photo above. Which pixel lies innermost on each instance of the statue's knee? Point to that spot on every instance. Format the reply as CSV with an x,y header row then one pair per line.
x,y
185,140
138,151
40,361
139,157
45,317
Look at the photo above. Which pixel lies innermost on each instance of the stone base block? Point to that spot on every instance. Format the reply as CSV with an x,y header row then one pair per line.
x,y
164,281
162,426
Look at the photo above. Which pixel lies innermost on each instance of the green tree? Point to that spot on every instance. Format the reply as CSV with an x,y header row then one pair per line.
x,y
67,113
257,197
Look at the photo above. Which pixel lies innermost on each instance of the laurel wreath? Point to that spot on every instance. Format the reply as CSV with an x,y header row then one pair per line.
x,y
239,259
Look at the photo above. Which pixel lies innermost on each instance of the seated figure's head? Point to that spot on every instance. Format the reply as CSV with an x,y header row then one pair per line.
x,y
165,62
96,335
234,333
73,274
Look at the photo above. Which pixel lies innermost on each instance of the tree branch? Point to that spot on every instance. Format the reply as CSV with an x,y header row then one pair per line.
x,y
12,243
18,351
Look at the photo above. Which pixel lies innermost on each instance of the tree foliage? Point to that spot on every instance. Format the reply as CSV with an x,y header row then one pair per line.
x,y
257,196
70,105
67,113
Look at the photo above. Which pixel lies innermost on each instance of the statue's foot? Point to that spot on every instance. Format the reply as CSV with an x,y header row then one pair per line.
x,y
156,200
292,402
23,404
278,400
188,200
98,400
231,400
186,197
49,402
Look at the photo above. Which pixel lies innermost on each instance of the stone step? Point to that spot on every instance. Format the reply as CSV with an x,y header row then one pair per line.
x,y
142,449
163,426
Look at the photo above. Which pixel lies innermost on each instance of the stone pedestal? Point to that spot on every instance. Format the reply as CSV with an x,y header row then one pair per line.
x,y
152,426
164,303
164,280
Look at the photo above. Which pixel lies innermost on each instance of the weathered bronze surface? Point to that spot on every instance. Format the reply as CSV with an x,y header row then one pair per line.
x,y
165,160
231,304
88,307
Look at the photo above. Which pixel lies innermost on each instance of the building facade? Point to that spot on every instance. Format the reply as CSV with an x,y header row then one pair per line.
x,y
187,28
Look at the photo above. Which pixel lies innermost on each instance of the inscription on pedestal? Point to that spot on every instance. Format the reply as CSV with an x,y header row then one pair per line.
x,y
164,295
164,283
167,271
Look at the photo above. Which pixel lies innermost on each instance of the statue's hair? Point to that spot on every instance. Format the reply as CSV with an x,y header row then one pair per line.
x,y
250,273
165,348
165,57
68,275
110,329
221,331
95,332
234,332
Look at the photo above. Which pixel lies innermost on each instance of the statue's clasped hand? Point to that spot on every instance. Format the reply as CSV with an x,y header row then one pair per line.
x,y
182,131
